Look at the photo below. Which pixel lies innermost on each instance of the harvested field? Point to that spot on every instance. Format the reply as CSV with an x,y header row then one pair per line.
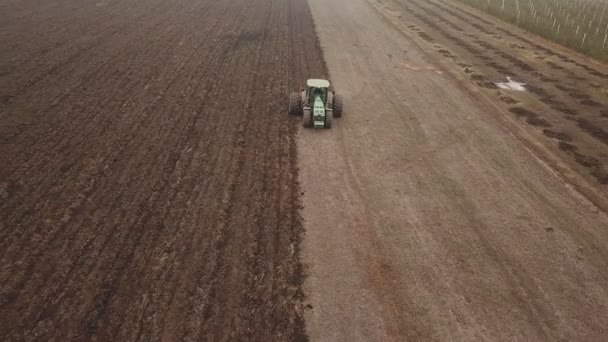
x,y
579,25
558,84
451,210
148,177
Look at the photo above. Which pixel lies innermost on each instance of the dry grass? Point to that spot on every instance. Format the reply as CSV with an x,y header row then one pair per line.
x,y
581,25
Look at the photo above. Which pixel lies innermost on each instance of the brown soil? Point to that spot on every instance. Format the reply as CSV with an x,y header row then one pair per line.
x,y
148,177
561,136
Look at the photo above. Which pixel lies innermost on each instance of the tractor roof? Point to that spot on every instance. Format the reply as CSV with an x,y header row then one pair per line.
x,y
316,83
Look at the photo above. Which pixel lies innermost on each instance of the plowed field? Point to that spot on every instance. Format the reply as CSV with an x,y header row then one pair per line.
x,y
148,178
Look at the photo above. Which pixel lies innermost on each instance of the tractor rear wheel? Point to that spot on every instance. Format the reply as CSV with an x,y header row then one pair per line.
x,y
307,118
329,115
338,105
295,104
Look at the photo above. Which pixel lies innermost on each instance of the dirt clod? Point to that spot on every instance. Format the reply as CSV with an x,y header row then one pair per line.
x,y
557,135
530,117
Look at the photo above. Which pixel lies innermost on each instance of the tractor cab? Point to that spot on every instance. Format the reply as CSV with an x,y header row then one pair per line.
x,y
316,88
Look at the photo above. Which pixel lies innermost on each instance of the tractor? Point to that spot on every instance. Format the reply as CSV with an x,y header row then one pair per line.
x,y
317,104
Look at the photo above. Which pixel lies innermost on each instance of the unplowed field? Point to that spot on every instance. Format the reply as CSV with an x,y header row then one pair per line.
x,y
565,106
148,178
450,209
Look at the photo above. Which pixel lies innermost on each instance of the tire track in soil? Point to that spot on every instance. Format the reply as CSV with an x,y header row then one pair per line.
x,y
157,197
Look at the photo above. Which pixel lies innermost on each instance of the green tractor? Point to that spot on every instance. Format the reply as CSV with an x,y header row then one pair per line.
x,y
317,104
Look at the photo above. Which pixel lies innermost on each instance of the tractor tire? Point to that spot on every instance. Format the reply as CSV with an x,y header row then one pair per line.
x,y
329,116
307,118
338,105
295,104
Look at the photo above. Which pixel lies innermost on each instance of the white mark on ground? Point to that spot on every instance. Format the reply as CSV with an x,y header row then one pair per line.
x,y
511,85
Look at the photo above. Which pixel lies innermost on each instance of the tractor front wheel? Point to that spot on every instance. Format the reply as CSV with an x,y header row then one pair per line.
x,y
338,105
307,118
295,104
329,115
